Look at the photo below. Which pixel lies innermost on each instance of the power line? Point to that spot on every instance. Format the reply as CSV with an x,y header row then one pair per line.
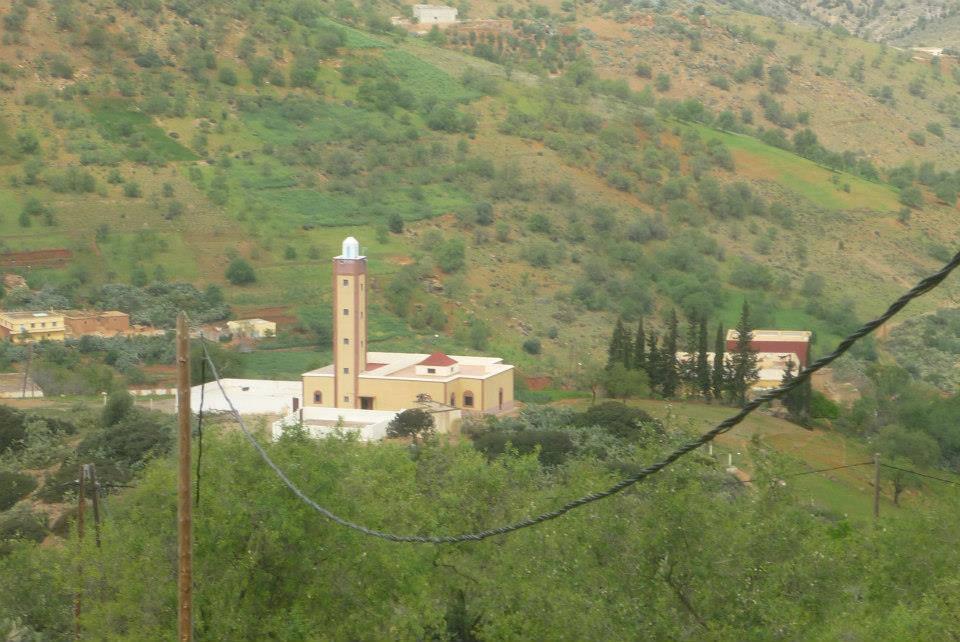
x,y
921,288
800,474
919,474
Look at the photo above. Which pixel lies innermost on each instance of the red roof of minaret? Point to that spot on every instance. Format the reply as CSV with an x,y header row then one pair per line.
x,y
437,359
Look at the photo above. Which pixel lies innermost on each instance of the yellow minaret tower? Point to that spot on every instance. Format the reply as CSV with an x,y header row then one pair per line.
x,y
349,323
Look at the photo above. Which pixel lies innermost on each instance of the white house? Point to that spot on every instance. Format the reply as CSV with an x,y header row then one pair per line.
x,y
435,14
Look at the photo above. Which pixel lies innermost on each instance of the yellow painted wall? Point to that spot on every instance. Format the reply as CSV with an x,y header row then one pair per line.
x,y
491,391
50,327
322,384
395,394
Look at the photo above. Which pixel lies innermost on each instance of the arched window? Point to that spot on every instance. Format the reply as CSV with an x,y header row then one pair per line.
x,y
453,399
500,401
468,399
317,396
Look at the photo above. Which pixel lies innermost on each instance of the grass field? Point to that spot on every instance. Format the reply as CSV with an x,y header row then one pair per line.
x,y
8,153
756,159
285,365
847,492
117,120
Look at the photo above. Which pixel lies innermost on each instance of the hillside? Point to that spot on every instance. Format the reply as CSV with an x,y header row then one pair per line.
x,y
521,184
155,149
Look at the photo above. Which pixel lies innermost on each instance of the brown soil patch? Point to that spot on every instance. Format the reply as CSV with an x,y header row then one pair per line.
x,y
538,383
58,257
279,314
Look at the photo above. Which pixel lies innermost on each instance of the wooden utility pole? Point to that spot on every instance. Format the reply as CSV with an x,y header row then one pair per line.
x,y
81,506
184,515
95,487
876,486
26,372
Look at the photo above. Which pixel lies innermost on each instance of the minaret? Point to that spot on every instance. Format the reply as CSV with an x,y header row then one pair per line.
x,y
349,323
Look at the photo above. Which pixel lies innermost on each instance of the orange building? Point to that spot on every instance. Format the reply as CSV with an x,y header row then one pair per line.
x,y
106,324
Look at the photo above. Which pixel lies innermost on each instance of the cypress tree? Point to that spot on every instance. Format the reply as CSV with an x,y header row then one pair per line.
x,y
653,362
688,367
670,377
719,347
797,401
703,364
619,346
743,361
639,348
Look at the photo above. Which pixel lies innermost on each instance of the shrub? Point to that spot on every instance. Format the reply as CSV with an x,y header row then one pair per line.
x,y
483,213
917,138
532,346
663,82
22,524
239,272
751,276
13,433
131,189
14,487
936,129
450,255
119,404
227,76
395,223
415,423
553,445
643,70
620,420
911,196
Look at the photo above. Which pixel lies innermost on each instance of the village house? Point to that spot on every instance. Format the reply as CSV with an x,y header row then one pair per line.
x,y
29,327
796,342
104,324
252,328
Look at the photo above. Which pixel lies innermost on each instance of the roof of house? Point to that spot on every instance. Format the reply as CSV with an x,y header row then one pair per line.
x,y
403,365
802,336
437,359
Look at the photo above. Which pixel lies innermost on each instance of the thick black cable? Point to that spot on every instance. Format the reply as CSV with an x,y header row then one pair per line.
x,y
921,288
800,474
919,474
203,385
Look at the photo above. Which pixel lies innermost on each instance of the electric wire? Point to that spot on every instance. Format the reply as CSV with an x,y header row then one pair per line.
x,y
919,474
921,288
800,474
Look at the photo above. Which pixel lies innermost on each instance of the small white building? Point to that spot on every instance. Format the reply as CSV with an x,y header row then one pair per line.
x,y
435,14
249,396
252,328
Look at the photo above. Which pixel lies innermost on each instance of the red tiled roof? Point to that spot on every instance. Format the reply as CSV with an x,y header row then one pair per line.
x,y
437,359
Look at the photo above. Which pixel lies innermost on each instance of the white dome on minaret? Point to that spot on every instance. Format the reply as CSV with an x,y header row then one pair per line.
x,y
351,248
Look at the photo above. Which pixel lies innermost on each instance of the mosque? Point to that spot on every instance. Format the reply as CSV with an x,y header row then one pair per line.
x,y
392,381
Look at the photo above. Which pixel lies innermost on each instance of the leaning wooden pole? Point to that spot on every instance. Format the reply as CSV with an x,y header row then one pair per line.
x,y
184,514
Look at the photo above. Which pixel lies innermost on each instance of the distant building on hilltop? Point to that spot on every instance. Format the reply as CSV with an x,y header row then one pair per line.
x,y
435,14
365,380
782,341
